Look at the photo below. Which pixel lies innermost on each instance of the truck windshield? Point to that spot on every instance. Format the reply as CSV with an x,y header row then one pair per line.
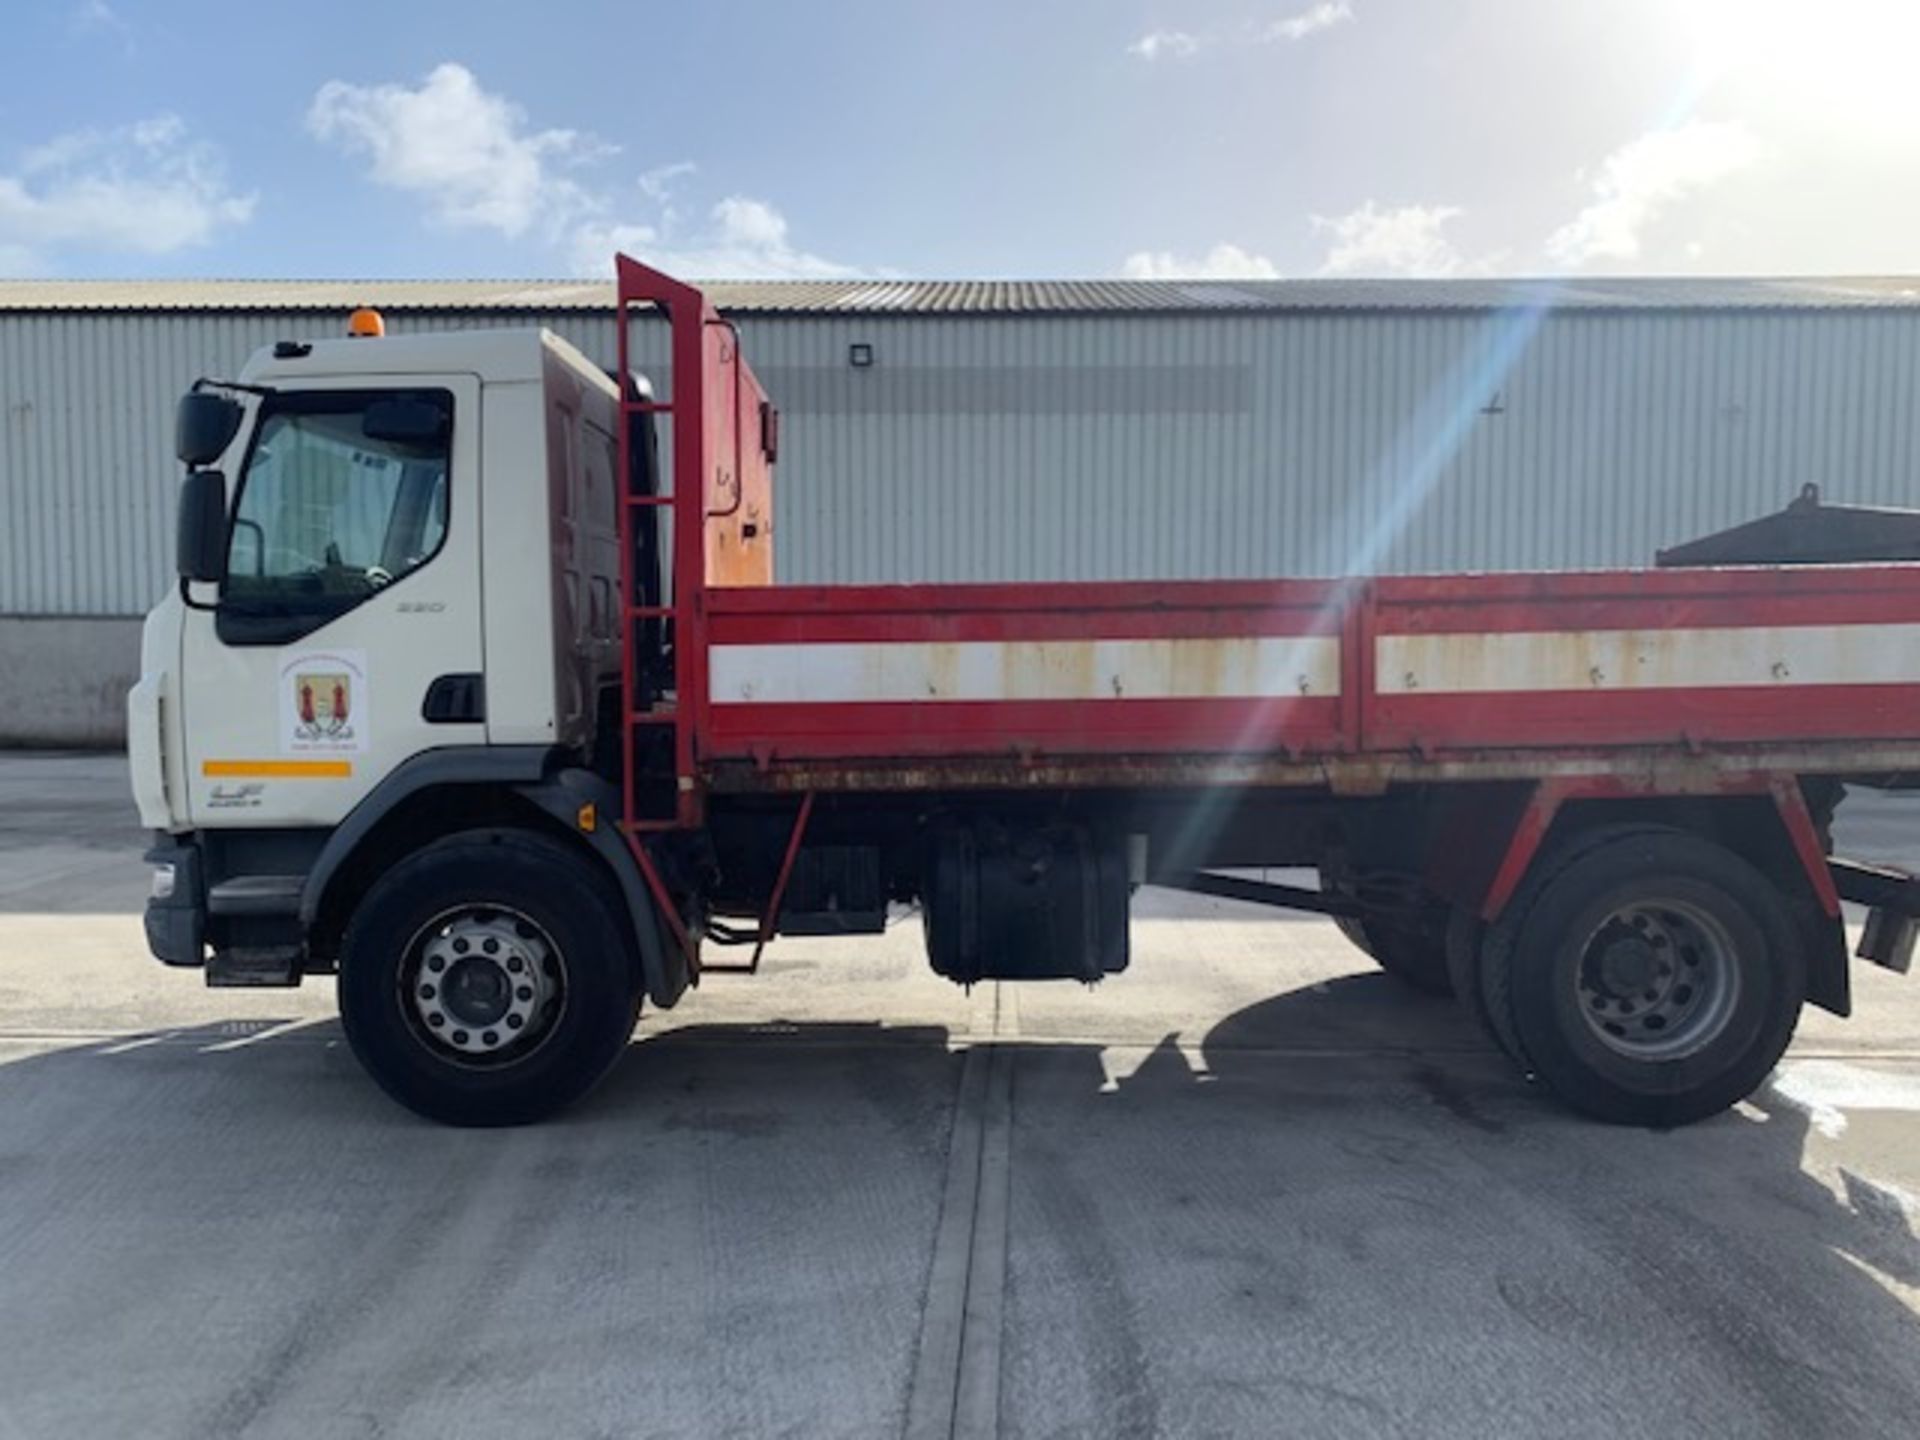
x,y
329,513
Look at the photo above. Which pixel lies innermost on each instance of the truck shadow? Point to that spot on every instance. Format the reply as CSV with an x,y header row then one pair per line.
x,y
1351,1210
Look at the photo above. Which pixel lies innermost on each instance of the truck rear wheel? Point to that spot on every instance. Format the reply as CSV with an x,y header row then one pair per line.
x,y
487,980
1416,958
1485,952
1466,937
1415,955
1653,980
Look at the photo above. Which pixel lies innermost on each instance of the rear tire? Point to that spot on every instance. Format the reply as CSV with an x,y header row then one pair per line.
x,y
1466,937
1653,979
1491,952
489,979
1416,958
1415,955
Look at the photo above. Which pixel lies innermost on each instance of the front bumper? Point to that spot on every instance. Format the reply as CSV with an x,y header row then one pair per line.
x,y
176,917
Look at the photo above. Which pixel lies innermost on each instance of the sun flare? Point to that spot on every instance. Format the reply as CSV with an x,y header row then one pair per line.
x,y
1832,63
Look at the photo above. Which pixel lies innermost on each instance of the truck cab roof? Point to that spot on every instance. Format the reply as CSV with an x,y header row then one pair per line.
x,y
495,356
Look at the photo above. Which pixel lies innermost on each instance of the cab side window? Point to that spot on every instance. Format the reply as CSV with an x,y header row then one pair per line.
x,y
342,494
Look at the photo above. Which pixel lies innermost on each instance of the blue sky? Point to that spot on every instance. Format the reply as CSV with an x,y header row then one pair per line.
x,y
1046,138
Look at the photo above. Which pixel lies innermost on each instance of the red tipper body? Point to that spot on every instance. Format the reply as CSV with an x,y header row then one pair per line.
x,y
1679,681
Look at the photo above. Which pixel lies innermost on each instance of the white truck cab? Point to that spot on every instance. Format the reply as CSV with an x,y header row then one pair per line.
x,y
339,630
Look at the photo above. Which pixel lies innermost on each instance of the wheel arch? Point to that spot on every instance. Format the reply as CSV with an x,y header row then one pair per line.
x,y
444,792
1777,824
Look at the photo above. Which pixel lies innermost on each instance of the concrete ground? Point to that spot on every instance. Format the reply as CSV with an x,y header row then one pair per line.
x,y
1249,1188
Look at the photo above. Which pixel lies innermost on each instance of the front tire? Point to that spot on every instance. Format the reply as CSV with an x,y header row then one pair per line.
x,y
1654,980
488,980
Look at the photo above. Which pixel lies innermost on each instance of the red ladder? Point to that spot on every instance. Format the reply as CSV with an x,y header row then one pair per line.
x,y
688,314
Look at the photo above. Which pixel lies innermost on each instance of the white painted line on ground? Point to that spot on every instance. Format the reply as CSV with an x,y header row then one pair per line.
x,y
269,1032
139,1043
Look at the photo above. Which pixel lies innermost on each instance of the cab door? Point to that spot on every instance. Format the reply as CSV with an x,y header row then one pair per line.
x,y
352,591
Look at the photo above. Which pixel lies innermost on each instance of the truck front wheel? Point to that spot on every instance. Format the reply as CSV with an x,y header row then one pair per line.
x,y
1654,980
488,980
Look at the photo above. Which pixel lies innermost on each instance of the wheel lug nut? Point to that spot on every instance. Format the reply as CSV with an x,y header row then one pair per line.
x,y
525,992
515,964
436,964
490,1038
436,1019
462,946
492,947
514,1022
459,1037
427,992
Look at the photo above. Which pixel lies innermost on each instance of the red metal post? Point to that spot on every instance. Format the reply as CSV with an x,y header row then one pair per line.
x,y
771,919
624,443
1805,836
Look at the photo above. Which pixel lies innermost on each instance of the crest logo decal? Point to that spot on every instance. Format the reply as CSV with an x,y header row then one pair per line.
x,y
323,703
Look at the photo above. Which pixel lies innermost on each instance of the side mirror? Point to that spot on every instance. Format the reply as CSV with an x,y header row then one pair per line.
x,y
204,426
202,536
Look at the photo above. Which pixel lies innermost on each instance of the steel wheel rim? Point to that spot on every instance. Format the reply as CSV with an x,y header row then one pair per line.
x,y
1658,980
482,985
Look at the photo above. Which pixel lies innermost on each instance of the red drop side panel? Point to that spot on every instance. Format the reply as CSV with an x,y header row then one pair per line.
x,y
1660,657
967,670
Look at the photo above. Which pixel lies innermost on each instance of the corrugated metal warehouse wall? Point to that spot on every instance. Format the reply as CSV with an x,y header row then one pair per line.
x,y
1103,445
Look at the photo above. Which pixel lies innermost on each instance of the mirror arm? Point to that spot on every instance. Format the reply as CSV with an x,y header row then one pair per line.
x,y
186,598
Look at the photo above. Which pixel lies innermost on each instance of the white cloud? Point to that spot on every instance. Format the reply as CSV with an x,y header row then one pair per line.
x,y
1175,43
469,153
1643,178
1406,240
657,184
591,248
475,160
1289,30
1222,262
144,189
1310,22
744,239
96,17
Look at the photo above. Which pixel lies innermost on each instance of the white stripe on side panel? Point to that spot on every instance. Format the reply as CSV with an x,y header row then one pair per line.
x,y
1162,669
1595,660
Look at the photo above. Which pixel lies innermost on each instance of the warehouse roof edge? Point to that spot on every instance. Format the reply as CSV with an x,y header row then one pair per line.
x,y
879,297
